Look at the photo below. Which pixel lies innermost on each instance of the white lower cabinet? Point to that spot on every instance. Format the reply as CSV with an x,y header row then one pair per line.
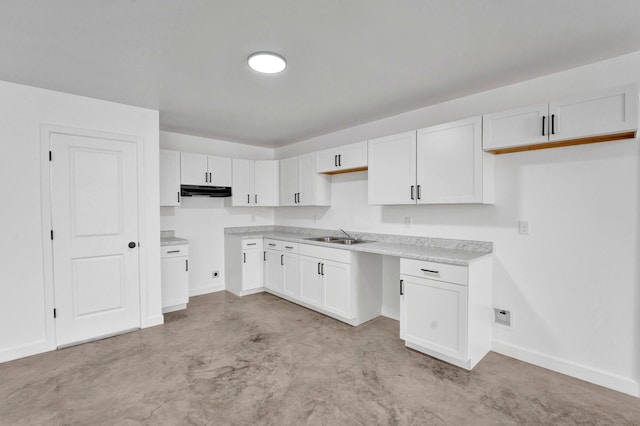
x,y
290,278
446,311
273,262
310,281
174,262
243,262
336,288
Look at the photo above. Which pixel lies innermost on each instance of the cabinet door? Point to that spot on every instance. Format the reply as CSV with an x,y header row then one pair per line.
x,y
435,316
336,289
266,183
273,270
288,181
392,169
251,269
290,275
193,169
169,178
353,156
310,281
175,281
327,160
306,180
242,191
220,170
603,112
515,127
450,163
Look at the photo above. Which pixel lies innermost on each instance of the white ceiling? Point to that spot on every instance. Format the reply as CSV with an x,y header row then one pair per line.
x,y
349,61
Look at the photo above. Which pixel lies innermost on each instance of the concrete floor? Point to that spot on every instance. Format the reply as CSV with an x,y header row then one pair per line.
x,y
262,360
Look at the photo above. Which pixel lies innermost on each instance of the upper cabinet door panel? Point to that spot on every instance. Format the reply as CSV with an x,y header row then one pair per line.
x,y
604,112
169,178
220,170
516,127
242,191
450,162
266,183
392,169
193,169
327,160
353,156
307,180
288,181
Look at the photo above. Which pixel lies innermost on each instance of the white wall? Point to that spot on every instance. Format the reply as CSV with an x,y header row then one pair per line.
x,y
26,320
572,284
202,220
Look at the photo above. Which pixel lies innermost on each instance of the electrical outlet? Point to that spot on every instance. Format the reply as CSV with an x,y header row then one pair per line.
x,y
502,317
215,274
407,221
523,227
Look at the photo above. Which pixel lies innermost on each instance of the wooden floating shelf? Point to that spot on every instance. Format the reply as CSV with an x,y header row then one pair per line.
x,y
339,172
572,142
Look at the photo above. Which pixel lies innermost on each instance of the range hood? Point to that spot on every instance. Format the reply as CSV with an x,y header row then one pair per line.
x,y
205,191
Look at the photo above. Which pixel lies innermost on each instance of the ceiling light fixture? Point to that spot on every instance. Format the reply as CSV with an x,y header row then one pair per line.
x,y
267,62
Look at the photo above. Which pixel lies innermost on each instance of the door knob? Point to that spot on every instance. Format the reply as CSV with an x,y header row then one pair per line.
x,y
132,245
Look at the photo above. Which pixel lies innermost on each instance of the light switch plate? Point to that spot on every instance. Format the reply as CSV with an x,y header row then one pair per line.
x,y
523,227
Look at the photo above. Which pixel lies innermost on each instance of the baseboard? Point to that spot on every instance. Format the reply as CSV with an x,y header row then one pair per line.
x,y
392,315
588,374
205,290
152,321
22,351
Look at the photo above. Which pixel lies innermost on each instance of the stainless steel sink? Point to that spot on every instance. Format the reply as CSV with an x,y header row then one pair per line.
x,y
349,241
337,240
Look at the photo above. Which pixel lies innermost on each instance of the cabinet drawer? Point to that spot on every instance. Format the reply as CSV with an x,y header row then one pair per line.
x,y
326,253
434,271
254,243
174,251
289,247
272,244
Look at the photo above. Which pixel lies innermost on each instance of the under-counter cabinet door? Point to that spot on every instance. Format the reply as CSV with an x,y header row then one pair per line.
x,y
175,283
336,291
310,281
516,127
273,270
392,169
169,178
219,169
193,169
291,278
242,193
449,160
251,269
289,181
435,316
603,112
353,156
266,183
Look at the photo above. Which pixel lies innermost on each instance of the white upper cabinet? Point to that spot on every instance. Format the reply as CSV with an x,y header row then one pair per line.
x,y
169,178
300,185
255,183
205,170
392,169
342,159
599,116
451,166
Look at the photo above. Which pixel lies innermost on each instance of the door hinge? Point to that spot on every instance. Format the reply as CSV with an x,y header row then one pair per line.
x,y
52,234
55,313
50,155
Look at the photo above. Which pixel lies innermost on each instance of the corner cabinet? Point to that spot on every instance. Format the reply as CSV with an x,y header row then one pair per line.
x,y
605,115
204,170
441,164
300,185
174,261
255,183
169,178
446,310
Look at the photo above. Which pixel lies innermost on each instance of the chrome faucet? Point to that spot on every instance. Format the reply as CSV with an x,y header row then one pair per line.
x,y
345,233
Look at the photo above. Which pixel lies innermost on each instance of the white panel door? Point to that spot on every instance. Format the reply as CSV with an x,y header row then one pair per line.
x,y
327,160
515,127
94,203
310,281
267,177
307,180
193,169
252,269
353,155
169,178
450,163
336,291
242,194
607,111
219,169
392,169
291,286
273,262
288,181
434,316
175,281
